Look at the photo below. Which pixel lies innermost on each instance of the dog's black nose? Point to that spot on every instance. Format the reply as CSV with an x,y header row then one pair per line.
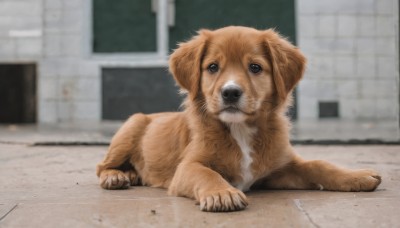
x,y
231,94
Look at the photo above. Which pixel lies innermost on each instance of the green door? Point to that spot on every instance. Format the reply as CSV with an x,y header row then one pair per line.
x,y
191,16
123,26
129,26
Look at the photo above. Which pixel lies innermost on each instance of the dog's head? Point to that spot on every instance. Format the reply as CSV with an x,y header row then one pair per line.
x,y
237,70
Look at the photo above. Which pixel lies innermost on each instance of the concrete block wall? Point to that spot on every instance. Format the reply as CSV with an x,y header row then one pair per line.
x,y
20,30
69,79
352,49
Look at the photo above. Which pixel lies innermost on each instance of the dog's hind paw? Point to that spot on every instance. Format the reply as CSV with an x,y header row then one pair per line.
x,y
361,180
114,179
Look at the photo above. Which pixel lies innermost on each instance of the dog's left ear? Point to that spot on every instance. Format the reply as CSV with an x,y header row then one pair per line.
x,y
288,63
185,63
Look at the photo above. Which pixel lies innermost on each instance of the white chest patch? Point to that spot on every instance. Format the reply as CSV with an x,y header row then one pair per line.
x,y
243,136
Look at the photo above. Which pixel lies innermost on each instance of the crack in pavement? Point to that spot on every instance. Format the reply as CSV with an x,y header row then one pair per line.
x,y
300,207
5,215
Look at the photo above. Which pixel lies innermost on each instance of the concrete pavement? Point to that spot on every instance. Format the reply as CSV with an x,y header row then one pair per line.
x,y
47,186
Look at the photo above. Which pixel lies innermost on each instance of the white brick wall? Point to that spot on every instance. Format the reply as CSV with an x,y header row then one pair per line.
x,y
353,57
20,30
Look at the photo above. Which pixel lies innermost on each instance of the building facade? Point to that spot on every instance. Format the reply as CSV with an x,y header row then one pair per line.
x,y
352,47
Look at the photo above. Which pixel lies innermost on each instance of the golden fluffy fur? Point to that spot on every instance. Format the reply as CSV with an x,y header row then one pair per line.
x,y
213,151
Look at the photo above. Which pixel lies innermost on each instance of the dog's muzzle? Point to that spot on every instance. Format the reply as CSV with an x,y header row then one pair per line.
x,y
231,94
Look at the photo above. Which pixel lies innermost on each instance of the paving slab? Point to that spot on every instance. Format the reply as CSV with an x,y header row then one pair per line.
x,y
56,186
361,212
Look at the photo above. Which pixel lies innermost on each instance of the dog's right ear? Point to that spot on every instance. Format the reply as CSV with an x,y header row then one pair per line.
x,y
288,63
185,63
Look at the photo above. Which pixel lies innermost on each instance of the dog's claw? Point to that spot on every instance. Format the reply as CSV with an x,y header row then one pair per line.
x,y
223,200
114,179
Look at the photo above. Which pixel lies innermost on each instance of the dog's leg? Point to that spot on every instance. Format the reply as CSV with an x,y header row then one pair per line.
x,y
322,175
110,171
113,171
114,179
208,187
119,178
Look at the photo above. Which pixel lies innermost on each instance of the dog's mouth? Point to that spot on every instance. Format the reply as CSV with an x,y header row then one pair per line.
x,y
234,110
231,109
233,114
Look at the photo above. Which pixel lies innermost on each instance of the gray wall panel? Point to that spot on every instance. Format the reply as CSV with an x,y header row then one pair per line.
x,y
126,91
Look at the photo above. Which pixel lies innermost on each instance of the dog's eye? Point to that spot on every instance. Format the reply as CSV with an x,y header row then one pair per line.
x,y
213,68
255,68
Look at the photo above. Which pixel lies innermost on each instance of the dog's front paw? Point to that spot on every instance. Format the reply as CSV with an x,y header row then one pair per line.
x,y
361,180
114,179
223,200
133,177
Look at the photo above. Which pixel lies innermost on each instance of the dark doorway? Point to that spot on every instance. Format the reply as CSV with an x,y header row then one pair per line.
x,y
17,93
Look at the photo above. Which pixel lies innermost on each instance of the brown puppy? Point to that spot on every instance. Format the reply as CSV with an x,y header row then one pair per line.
x,y
233,133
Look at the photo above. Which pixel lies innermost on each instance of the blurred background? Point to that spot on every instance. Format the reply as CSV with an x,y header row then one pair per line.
x,y
89,64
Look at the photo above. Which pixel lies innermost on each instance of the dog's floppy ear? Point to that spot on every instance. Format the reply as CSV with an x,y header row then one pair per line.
x,y
185,63
288,63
